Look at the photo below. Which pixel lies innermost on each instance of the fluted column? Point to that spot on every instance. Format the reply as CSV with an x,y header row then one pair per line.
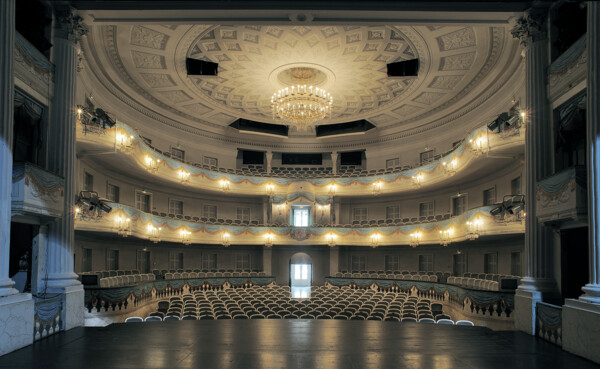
x,y
592,289
69,28
531,30
7,50
334,157
269,159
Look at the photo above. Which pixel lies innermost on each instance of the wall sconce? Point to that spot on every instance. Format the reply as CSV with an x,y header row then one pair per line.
x,y
186,236
450,167
124,142
473,229
124,226
415,239
417,180
184,176
269,237
446,236
79,111
375,238
331,189
225,239
154,233
270,189
224,183
478,145
376,187
330,237
281,209
151,164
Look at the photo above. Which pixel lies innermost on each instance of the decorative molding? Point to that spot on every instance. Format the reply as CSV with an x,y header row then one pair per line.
x,y
531,27
69,24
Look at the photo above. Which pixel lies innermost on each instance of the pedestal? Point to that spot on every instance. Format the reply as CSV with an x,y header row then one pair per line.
x,y
581,329
73,313
16,322
524,313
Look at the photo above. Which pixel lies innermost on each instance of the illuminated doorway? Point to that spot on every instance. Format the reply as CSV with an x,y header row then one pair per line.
x,y
300,275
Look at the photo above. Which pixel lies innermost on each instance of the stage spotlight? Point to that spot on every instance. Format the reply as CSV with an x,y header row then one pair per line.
x,y
499,209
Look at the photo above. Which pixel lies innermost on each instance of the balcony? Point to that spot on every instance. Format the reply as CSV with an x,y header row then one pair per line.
x,y
36,192
563,196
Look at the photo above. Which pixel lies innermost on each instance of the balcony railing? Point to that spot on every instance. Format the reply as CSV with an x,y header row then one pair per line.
x,y
563,196
35,191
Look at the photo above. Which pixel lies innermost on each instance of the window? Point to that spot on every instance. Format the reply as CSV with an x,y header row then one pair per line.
x,y
112,259
515,186
426,156
425,263
209,261
392,212
175,260
86,260
143,261
490,263
112,193
459,205
359,214
392,262
515,263
242,262
177,154
176,207
301,272
88,182
242,214
210,211
459,265
489,196
426,209
392,163
300,217
212,162
142,201
358,263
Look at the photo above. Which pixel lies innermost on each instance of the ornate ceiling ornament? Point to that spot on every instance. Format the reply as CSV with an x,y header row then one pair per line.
x,y
531,27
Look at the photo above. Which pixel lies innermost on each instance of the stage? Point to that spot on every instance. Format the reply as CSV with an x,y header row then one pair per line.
x,y
290,344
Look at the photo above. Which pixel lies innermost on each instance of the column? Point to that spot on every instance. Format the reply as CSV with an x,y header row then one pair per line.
x,y
69,28
531,30
269,159
267,260
16,309
334,166
334,261
266,204
7,51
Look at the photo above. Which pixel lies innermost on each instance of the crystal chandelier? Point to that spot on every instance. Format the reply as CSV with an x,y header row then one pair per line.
x,y
301,105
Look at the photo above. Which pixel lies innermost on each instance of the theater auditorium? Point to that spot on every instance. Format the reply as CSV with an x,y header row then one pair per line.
x,y
299,184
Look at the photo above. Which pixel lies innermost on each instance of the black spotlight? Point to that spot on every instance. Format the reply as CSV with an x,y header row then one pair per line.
x,y
203,68
499,209
405,68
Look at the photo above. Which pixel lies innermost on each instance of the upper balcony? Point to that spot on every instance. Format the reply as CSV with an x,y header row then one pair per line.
x,y
36,192
139,159
563,196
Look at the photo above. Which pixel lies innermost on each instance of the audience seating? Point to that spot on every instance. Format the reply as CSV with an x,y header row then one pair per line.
x,y
488,282
440,277
125,280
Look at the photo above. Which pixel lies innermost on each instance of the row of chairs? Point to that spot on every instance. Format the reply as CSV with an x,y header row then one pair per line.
x,y
406,277
186,275
110,273
126,280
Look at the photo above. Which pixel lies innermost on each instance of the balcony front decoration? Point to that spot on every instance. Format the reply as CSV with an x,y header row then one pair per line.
x,y
415,239
123,226
473,229
301,105
154,233
225,239
186,237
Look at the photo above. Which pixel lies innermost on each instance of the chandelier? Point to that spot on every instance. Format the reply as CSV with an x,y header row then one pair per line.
x,y
301,105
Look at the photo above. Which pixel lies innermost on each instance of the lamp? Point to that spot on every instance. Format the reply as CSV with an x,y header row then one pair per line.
x,y
124,226
375,238
473,230
184,176
415,239
225,239
450,167
186,236
331,189
151,163
154,233
301,105
376,187
123,142
477,145
446,237
269,239
270,189
224,183
417,180
330,237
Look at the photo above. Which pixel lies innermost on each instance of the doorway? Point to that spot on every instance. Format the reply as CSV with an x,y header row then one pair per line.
x,y
300,275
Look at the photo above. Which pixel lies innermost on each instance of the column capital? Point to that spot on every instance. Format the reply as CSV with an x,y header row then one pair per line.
x,y
68,24
531,27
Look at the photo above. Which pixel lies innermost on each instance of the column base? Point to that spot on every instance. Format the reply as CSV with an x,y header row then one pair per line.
x,y
73,313
61,280
591,294
530,292
580,328
16,322
6,287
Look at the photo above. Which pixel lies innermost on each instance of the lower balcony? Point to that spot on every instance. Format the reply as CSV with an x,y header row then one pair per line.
x,y
36,192
562,197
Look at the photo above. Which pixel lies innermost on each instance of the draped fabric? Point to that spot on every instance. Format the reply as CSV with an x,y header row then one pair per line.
x,y
46,309
569,56
557,182
551,315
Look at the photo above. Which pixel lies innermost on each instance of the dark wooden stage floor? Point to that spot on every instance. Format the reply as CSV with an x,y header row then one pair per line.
x,y
290,344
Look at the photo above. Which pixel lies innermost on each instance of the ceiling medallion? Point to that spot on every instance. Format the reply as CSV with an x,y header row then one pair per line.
x,y
303,104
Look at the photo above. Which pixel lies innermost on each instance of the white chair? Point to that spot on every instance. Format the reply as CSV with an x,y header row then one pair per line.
x,y
465,322
134,319
427,321
153,319
103,282
445,321
168,275
433,278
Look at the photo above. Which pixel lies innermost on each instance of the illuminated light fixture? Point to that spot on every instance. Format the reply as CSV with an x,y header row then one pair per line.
x,y
225,239
301,105
270,189
415,239
450,167
331,237
417,180
478,145
151,164
331,189
124,226
281,208
186,236
376,187
224,183
124,142
446,236
154,233
375,238
184,176
269,238
473,230
79,111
